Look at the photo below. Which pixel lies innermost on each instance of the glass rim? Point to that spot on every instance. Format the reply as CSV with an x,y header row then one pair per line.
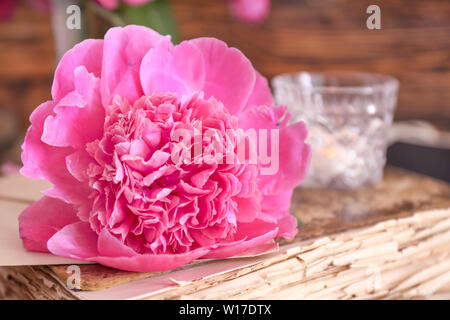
x,y
381,82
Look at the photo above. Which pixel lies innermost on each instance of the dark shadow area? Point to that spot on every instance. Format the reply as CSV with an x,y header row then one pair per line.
x,y
434,162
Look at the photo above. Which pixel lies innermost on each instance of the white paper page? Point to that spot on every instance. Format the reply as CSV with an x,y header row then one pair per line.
x,y
12,253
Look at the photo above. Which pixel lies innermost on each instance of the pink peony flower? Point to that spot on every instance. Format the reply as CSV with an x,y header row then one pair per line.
x,y
250,11
7,7
108,139
113,4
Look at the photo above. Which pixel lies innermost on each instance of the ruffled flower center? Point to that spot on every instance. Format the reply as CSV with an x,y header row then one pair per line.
x,y
156,196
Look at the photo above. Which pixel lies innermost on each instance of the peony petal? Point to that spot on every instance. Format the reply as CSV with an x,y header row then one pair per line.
x,y
229,75
199,179
79,115
41,161
275,206
261,117
33,149
77,164
248,235
150,262
110,246
261,94
276,210
123,51
88,54
247,209
295,156
177,69
41,220
288,226
76,241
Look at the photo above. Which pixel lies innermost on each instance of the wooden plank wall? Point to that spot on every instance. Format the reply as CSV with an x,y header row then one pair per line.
x,y
413,45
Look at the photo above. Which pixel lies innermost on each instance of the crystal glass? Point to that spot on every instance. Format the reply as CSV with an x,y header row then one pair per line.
x,y
348,115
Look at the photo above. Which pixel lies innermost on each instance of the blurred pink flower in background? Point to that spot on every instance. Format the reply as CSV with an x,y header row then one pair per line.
x,y
7,7
250,11
105,142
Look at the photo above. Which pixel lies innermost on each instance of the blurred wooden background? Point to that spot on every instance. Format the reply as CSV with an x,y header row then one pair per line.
x,y
413,45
